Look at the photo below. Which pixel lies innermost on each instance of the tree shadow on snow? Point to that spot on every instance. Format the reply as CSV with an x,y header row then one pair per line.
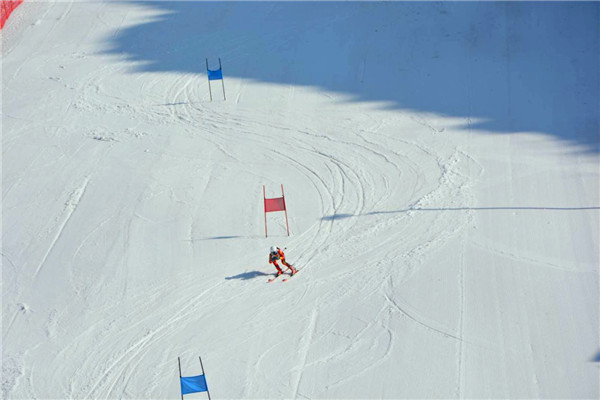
x,y
501,67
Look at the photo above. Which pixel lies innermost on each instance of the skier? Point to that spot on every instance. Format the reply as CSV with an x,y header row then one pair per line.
x,y
276,254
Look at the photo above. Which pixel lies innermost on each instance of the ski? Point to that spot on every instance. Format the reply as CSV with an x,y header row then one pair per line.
x,y
285,279
290,277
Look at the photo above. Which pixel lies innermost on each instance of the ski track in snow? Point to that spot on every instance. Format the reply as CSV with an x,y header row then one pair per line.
x,y
461,325
70,208
306,339
428,327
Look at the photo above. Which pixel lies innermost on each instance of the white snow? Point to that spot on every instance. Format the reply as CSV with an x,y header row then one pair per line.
x,y
440,163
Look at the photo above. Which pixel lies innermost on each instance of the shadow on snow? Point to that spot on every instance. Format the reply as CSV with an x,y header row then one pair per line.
x,y
502,67
343,215
248,275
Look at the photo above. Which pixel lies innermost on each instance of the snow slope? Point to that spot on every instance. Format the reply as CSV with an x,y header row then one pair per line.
x,y
440,162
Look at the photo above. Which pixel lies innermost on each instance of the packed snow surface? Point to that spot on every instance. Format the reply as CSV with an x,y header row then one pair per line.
x,y
441,172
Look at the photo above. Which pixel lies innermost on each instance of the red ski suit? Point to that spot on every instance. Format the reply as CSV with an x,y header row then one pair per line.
x,y
274,257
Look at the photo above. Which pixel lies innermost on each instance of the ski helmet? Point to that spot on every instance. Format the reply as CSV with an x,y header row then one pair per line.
x,y
273,249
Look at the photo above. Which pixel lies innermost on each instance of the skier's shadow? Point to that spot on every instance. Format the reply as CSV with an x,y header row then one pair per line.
x,y
248,275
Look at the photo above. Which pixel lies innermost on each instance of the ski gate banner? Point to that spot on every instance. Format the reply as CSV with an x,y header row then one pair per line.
x,y
8,6
193,384
215,75
275,204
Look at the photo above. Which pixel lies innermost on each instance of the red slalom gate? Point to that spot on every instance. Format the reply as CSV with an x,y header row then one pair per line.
x,y
7,7
275,204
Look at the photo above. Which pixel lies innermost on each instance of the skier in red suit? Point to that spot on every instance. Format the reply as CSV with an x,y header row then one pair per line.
x,y
276,254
